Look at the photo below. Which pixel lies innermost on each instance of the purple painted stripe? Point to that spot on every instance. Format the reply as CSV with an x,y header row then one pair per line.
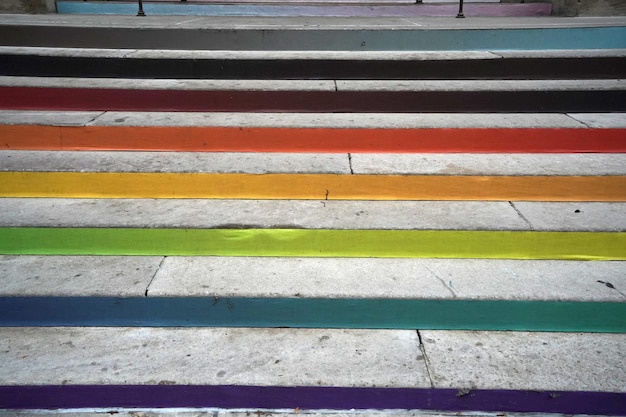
x,y
338,398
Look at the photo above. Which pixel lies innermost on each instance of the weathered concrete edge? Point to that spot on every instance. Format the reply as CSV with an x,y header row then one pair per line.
x,y
310,120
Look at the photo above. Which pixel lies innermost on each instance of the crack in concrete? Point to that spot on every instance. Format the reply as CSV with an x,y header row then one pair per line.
x,y
442,281
350,163
422,349
576,120
93,119
519,213
145,294
130,53
613,287
496,54
336,87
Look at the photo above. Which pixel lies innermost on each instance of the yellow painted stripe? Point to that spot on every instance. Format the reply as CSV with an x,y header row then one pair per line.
x,y
312,186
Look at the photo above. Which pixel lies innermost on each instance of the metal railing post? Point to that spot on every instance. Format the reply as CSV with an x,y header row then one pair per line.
x,y
460,14
140,11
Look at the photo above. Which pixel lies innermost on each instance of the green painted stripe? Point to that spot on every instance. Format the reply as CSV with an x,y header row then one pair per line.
x,y
561,316
315,243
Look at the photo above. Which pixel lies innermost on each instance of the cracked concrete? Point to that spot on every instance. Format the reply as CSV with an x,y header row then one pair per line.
x,y
530,226
154,275
310,277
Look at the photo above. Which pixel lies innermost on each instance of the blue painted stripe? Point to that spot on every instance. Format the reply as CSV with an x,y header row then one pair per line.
x,y
315,313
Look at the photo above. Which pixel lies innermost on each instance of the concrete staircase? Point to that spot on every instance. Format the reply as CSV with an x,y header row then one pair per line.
x,y
256,217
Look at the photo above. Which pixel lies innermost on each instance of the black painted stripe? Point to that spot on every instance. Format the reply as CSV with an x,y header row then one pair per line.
x,y
507,68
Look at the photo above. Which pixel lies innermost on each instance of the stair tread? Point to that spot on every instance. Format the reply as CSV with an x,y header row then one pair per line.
x,y
462,279
314,85
315,120
320,357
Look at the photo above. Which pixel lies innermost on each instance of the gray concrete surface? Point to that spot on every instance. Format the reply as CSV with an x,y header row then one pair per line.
x,y
65,52
480,85
317,85
309,277
531,280
341,120
573,216
331,55
263,55
390,278
327,120
455,359
322,163
219,162
225,356
303,277
522,360
176,84
608,120
490,164
313,214
77,275
47,118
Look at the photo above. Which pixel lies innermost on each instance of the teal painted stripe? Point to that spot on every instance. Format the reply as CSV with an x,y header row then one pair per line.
x,y
552,316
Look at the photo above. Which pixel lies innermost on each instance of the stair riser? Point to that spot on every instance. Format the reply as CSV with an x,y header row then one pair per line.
x,y
314,40
26,98
508,68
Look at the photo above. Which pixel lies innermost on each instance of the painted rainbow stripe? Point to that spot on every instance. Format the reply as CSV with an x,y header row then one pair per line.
x,y
339,313
306,397
109,99
301,139
312,186
315,243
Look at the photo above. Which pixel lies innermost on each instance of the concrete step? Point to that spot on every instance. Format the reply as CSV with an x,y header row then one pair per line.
x,y
311,357
156,276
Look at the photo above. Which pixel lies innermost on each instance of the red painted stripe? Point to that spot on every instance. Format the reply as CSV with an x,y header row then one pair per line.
x,y
271,139
102,99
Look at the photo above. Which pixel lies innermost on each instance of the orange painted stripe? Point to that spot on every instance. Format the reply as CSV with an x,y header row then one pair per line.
x,y
311,186
276,139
